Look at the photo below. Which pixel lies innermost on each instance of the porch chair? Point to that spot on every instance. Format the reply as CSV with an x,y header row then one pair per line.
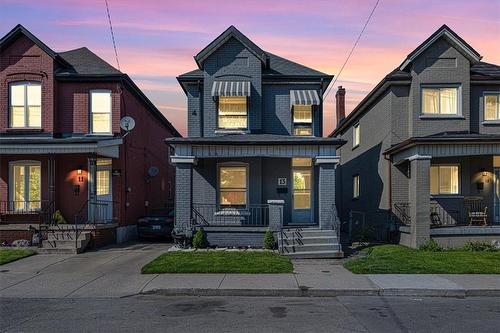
x,y
477,211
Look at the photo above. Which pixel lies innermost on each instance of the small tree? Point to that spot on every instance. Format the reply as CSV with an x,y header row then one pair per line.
x,y
269,242
200,239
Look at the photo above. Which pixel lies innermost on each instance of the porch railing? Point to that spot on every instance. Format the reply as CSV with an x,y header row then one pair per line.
x,y
212,215
19,207
439,216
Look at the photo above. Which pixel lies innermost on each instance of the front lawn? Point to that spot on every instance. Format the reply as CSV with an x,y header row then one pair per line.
x,y
397,259
9,255
219,262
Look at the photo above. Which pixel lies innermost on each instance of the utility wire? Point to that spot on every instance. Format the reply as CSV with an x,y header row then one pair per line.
x,y
352,50
112,35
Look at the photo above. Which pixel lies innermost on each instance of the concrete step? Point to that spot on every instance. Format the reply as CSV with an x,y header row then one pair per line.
x,y
312,240
310,233
60,243
48,250
55,236
312,247
315,254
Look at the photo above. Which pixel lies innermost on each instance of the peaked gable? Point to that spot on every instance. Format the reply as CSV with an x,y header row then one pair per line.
x,y
455,40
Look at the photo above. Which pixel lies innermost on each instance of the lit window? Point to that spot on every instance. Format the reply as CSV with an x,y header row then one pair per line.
x,y
440,101
302,120
25,105
103,182
233,185
25,184
492,106
301,183
356,135
100,111
444,179
355,187
233,112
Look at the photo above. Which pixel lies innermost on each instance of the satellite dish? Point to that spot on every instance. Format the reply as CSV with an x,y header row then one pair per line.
x,y
127,123
153,171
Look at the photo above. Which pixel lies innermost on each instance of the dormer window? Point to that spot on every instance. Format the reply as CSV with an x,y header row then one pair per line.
x,y
302,120
440,101
25,105
233,112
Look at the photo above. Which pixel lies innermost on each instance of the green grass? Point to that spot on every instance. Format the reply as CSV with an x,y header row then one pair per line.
x,y
9,255
219,262
397,259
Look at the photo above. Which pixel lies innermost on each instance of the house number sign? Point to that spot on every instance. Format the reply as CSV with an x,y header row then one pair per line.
x,y
281,181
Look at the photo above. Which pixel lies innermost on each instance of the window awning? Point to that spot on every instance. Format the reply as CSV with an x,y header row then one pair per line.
x,y
231,88
304,97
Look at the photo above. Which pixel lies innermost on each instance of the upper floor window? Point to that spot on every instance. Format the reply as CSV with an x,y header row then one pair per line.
x,y
25,105
302,120
232,185
100,111
492,106
440,101
355,187
444,179
233,112
356,135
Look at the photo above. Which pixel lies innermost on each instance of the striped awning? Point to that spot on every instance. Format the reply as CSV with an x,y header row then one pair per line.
x,y
231,88
304,97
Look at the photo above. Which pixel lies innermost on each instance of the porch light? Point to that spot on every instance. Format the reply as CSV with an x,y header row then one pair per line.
x,y
79,171
484,173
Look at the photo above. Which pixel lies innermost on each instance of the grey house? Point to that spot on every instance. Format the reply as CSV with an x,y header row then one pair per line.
x,y
254,157
422,157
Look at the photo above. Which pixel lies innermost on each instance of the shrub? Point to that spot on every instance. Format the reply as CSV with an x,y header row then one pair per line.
x,y
479,247
431,246
58,217
200,239
269,242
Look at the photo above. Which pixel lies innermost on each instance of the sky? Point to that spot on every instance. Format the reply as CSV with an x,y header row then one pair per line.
x,y
156,40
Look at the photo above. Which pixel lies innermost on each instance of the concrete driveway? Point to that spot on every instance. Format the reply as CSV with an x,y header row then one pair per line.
x,y
109,272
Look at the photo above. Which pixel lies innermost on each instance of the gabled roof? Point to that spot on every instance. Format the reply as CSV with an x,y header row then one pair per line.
x,y
229,33
85,62
457,41
19,31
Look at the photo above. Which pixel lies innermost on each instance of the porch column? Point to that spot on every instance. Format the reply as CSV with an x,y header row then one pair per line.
x,y
326,190
183,191
92,189
419,199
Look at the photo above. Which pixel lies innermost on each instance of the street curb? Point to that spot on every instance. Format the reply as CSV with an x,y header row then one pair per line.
x,y
322,292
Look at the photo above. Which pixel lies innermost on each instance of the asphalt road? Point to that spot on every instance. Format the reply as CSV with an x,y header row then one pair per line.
x,y
250,314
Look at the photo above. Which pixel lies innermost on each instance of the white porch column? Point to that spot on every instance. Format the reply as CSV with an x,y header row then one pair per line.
x,y
183,191
326,190
419,198
92,188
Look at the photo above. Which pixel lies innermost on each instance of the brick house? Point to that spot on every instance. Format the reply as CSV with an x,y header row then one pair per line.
x,y
62,148
422,157
255,157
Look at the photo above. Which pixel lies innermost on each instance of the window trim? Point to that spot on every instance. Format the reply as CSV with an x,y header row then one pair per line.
x,y
494,121
355,196
26,113
458,115
90,113
24,163
443,195
218,196
303,124
223,130
356,127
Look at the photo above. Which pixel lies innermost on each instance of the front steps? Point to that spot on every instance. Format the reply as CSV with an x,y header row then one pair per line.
x,y
63,242
309,243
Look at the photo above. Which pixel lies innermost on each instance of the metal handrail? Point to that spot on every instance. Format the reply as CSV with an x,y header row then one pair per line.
x,y
252,215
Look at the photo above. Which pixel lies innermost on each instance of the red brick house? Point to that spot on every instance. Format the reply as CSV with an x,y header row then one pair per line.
x,y
62,148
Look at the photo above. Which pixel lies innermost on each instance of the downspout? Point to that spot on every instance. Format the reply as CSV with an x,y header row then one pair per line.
x,y
389,174
321,106
200,108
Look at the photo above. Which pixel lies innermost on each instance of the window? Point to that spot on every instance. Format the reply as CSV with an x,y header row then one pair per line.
x,y
233,112
440,101
302,183
25,185
355,187
356,136
25,100
100,111
444,179
491,106
302,120
232,185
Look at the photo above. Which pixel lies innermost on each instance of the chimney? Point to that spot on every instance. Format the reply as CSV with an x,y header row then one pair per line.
x,y
340,104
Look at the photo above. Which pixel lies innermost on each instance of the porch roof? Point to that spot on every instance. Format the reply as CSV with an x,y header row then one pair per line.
x,y
446,145
104,146
257,139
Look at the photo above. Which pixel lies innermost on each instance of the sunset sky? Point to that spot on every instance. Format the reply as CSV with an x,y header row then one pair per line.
x,y
156,40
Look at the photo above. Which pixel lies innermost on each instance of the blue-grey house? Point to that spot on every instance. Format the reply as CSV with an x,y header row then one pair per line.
x,y
254,157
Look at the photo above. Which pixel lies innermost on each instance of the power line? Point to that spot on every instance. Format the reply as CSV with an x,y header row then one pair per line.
x,y
112,35
352,50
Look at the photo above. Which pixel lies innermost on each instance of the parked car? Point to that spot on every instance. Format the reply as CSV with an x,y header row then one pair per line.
x,y
157,224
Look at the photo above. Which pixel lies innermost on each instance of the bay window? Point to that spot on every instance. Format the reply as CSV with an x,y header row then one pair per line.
x,y
302,120
25,105
100,111
492,106
233,112
232,185
25,185
438,101
444,179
